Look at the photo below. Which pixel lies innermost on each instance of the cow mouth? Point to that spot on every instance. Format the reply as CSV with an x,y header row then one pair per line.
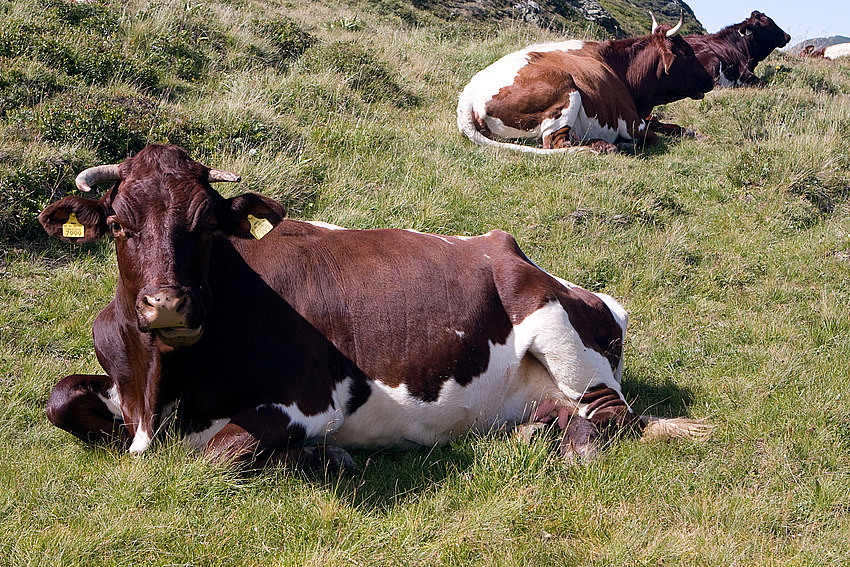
x,y
179,336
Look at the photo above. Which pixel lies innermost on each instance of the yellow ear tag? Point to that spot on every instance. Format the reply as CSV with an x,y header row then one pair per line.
x,y
259,227
73,228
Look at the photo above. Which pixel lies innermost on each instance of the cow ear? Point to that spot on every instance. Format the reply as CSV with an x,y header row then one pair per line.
x,y
746,30
74,219
249,216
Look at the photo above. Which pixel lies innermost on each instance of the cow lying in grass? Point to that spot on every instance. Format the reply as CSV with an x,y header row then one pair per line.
x,y
263,339
580,95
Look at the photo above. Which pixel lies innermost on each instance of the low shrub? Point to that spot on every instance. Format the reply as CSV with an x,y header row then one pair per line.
x,y
25,83
362,72
115,126
287,39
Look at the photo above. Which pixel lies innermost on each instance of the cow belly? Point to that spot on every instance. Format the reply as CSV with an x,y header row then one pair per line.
x,y
505,394
583,127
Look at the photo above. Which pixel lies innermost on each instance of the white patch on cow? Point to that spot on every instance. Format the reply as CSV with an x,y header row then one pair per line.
x,y
141,441
837,50
724,81
550,337
321,425
327,225
113,402
459,333
543,357
142,438
563,282
501,395
199,439
489,81
447,239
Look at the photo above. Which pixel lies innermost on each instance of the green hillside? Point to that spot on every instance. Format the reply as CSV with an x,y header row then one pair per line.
x,y
731,252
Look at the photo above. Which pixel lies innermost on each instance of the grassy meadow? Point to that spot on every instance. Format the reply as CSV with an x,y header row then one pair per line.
x,y
731,252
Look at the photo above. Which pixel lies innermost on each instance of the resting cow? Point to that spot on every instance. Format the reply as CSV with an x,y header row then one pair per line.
x,y
576,93
263,339
829,52
731,55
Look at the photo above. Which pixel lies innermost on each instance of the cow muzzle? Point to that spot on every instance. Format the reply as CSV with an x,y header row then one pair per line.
x,y
171,313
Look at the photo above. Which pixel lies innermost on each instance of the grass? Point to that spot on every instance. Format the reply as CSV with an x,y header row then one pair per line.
x,y
731,253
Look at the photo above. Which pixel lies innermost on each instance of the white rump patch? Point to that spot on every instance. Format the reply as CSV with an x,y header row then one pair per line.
x,y
837,50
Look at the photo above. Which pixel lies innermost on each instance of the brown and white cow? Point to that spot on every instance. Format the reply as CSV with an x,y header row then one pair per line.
x,y
260,337
829,52
577,94
731,55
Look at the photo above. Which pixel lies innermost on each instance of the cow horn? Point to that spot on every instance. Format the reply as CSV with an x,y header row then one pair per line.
x,y
217,175
96,175
654,23
672,32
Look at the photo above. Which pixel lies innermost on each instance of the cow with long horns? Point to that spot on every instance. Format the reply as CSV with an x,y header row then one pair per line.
x,y
579,95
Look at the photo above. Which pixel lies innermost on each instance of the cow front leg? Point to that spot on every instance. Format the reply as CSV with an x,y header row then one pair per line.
x,y
84,405
608,412
599,413
263,437
579,437
558,139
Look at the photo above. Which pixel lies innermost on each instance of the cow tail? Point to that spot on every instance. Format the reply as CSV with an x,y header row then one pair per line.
x,y
674,428
467,127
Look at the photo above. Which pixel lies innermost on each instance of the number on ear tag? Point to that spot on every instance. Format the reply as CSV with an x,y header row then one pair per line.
x,y
259,227
73,228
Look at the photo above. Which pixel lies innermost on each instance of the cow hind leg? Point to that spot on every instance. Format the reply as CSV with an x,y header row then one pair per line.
x,y
79,405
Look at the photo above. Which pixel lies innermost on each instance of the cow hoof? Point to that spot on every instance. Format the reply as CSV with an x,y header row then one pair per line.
x,y
580,441
326,458
604,147
528,431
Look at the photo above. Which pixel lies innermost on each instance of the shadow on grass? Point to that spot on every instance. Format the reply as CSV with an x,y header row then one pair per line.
x,y
651,396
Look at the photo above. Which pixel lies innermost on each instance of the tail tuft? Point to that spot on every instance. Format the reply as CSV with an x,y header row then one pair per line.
x,y
655,428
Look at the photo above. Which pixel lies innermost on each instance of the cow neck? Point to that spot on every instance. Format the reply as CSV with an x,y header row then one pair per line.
x,y
139,379
621,56
730,36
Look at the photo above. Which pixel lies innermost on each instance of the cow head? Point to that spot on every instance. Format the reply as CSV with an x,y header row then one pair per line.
x,y
810,51
664,68
163,214
762,34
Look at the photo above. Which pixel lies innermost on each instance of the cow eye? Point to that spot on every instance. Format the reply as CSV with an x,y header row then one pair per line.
x,y
115,226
